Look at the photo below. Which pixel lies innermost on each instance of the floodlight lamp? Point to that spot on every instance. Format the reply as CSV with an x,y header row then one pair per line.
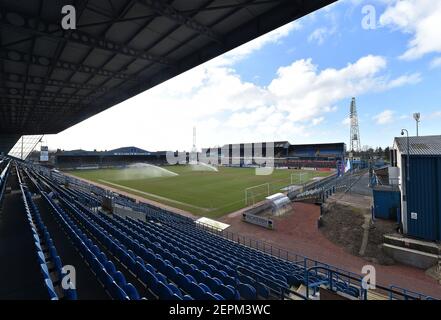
x,y
417,116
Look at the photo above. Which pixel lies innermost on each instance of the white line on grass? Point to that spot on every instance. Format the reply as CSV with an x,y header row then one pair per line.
x,y
156,196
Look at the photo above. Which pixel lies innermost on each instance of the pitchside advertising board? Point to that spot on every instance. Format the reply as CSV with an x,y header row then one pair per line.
x,y
44,154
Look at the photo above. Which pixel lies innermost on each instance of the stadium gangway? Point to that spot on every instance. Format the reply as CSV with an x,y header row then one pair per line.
x,y
391,291
284,292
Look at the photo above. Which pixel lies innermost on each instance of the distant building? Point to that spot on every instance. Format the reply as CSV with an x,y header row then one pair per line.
x,y
324,155
121,156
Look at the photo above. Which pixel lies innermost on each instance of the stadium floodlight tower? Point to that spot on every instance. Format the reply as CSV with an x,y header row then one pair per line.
x,y
417,117
194,151
355,130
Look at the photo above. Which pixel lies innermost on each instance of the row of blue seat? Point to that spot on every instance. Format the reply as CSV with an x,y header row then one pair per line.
x,y
294,274
4,171
201,271
164,284
221,259
43,243
92,255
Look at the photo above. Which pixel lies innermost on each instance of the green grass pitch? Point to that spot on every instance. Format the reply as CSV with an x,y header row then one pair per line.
x,y
204,193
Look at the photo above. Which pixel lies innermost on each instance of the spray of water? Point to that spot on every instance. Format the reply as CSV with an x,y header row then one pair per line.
x,y
143,171
202,166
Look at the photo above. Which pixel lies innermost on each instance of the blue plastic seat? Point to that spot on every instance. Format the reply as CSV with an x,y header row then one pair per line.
x,y
261,290
164,292
95,249
247,291
191,278
110,267
182,281
218,296
52,251
171,273
199,276
139,269
116,292
174,289
131,292
119,279
44,270
228,293
149,279
148,256
70,294
196,291
41,257
104,277
205,287
50,289
102,257
160,265
161,277
58,266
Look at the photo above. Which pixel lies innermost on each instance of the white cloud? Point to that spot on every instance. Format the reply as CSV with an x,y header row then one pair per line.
x,y
405,79
435,63
225,108
436,114
346,121
384,117
319,35
245,50
422,19
317,121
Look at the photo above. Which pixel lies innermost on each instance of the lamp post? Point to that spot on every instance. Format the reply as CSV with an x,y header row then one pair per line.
x,y
408,153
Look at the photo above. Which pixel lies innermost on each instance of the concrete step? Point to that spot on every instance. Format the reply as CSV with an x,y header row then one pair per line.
x,y
411,257
373,295
415,244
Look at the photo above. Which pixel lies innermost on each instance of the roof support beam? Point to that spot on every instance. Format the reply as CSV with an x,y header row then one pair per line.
x,y
121,14
166,10
54,31
19,78
4,101
36,94
17,56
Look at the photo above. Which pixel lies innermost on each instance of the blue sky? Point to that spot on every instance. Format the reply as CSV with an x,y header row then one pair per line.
x,y
293,84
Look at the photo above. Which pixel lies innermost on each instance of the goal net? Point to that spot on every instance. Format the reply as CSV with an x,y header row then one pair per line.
x,y
256,193
300,178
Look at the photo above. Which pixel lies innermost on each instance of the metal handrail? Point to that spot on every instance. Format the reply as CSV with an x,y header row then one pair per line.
x,y
283,290
391,290
248,242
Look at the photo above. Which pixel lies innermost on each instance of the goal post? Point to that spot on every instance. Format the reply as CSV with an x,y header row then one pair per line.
x,y
256,192
299,177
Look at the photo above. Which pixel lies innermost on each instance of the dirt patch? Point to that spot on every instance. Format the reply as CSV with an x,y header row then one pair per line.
x,y
374,251
342,224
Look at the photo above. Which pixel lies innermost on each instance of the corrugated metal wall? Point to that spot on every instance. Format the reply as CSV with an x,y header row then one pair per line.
x,y
386,204
424,198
